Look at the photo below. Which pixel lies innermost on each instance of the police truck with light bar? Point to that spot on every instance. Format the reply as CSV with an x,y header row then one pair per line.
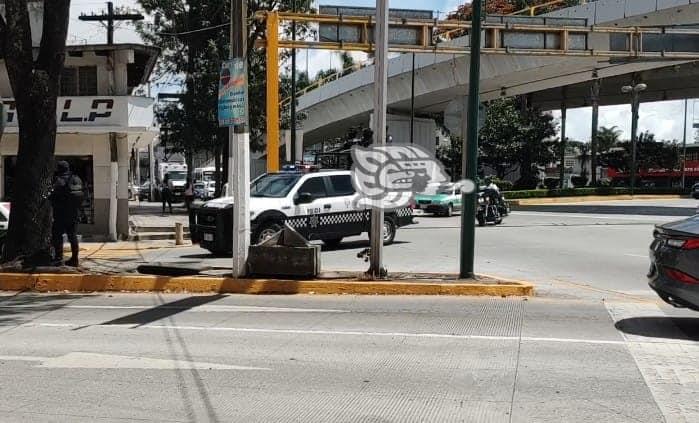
x,y
320,205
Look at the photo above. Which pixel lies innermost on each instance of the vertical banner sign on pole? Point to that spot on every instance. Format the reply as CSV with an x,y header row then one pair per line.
x,y
232,107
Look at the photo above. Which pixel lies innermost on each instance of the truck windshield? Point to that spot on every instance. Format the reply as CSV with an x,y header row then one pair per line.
x,y
274,185
177,176
208,176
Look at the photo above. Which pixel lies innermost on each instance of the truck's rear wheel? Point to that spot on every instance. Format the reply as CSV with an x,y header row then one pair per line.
x,y
389,231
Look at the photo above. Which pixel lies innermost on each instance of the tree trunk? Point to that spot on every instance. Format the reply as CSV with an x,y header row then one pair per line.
x,y
35,88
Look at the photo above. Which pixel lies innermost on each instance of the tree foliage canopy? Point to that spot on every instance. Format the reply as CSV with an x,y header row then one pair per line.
x,y
195,40
514,138
650,154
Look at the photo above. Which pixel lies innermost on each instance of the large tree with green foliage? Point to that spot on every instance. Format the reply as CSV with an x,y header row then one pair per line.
x,y
516,138
194,36
650,154
34,77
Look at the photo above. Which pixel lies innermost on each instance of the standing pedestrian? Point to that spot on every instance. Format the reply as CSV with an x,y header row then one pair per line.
x,y
165,194
66,199
188,193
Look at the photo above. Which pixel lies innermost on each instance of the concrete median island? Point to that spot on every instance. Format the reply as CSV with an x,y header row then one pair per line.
x,y
349,283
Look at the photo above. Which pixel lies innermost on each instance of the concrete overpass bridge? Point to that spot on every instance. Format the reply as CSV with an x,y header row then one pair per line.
x,y
441,80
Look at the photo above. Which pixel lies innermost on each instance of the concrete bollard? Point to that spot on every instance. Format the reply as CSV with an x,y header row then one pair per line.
x,y
179,233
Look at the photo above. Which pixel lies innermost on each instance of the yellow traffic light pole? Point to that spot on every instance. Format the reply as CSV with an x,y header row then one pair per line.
x,y
272,92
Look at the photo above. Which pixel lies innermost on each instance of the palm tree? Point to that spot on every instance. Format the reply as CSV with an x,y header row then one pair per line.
x,y
646,136
607,137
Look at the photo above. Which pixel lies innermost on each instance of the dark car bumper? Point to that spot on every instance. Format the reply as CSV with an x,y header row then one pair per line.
x,y
671,291
435,208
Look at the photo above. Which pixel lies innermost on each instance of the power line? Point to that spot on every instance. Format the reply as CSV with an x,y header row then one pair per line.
x,y
208,28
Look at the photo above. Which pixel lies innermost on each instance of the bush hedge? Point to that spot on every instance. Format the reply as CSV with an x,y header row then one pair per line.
x,y
581,192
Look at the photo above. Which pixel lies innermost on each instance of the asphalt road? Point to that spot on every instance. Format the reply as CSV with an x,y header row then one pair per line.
x,y
594,345
587,250
227,358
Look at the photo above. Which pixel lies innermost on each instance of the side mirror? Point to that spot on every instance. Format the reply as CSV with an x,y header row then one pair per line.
x,y
303,198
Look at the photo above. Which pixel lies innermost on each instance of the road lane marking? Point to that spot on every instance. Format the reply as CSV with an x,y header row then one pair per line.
x,y
643,256
670,370
84,360
202,308
356,333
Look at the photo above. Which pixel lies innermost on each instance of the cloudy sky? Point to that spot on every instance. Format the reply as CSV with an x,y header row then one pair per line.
x,y
664,119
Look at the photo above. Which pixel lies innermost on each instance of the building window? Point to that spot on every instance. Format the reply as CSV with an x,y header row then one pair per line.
x,y
79,81
87,78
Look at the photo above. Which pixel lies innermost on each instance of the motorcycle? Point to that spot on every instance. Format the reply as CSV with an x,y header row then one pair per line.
x,y
489,209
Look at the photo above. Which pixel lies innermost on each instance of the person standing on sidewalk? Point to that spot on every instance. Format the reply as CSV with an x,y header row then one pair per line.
x,y
188,193
66,199
165,194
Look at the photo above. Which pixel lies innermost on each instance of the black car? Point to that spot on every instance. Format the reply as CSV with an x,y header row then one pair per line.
x,y
674,269
695,191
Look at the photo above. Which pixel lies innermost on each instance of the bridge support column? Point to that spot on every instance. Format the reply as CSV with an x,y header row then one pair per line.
x,y
594,97
562,170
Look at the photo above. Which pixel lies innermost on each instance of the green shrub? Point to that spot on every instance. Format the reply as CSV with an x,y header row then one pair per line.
x,y
581,192
552,183
579,181
527,184
503,185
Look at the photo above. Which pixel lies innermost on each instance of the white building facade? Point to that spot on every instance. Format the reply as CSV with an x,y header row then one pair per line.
x,y
100,123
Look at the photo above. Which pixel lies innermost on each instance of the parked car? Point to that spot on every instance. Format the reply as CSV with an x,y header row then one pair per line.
x,y
695,191
319,205
133,191
442,200
674,268
200,190
144,191
4,222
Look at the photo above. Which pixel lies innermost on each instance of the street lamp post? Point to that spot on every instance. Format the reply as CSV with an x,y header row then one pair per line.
x,y
635,92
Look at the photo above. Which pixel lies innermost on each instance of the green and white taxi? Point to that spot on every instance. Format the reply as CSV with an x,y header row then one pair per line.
x,y
440,199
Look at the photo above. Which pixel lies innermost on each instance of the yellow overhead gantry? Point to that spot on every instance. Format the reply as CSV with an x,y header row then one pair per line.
x,y
560,41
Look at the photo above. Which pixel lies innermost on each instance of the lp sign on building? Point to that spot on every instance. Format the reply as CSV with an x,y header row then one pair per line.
x,y
232,98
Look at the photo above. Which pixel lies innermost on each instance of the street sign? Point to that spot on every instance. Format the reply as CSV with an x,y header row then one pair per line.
x,y
352,34
232,107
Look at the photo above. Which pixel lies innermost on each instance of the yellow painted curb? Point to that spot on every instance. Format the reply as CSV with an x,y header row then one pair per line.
x,y
129,283
588,198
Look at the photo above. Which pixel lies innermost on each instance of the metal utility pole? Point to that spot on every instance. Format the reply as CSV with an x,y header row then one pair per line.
x,y
412,103
293,88
110,17
684,144
470,162
239,150
635,91
376,269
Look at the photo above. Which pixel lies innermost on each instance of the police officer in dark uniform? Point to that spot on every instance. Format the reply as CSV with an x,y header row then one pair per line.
x,y
66,199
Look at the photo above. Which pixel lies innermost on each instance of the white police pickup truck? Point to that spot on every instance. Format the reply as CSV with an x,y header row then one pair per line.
x,y
4,222
319,205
